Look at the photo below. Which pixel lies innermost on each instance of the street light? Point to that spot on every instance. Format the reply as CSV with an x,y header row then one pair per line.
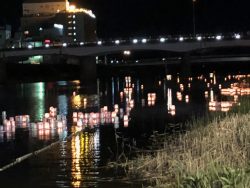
x,y
194,29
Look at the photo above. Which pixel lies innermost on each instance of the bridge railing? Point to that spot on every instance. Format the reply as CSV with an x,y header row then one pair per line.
x,y
135,40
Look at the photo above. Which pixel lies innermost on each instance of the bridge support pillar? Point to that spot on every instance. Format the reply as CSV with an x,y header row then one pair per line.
x,y
88,74
185,67
3,71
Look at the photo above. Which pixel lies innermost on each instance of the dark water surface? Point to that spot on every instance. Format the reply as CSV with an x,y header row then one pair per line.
x,y
127,107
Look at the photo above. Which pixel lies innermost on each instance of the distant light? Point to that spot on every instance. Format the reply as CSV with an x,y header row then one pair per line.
x,y
162,39
46,45
218,37
58,26
40,29
74,40
72,7
237,36
137,61
99,42
13,47
81,43
181,39
199,38
117,42
64,44
30,46
57,10
135,41
126,52
144,41
47,41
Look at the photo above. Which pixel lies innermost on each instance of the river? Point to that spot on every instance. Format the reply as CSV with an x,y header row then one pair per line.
x,y
125,109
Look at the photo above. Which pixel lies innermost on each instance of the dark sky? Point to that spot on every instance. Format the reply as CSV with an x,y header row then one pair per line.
x,y
121,18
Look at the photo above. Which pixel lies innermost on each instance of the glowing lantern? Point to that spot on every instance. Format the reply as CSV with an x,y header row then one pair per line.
x,y
125,119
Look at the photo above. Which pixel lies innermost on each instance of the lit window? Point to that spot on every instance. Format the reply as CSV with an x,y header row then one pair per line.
x,y
26,32
69,33
74,16
70,22
74,39
74,33
74,27
74,22
69,28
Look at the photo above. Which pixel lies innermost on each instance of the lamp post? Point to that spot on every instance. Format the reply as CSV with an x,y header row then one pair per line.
x,y
194,29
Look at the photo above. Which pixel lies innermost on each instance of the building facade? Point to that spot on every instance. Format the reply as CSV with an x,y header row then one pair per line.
x,y
57,21
36,7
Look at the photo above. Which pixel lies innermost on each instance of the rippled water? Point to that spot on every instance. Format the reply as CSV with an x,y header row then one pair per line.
x,y
122,107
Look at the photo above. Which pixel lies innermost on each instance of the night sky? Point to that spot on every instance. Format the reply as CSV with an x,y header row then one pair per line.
x,y
123,18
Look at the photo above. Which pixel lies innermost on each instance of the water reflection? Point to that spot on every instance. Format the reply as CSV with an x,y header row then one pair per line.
x,y
104,115
238,87
132,94
121,97
36,94
51,126
81,101
62,104
85,158
171,107
130,104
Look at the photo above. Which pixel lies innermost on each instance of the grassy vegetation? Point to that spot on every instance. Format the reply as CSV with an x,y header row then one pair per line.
x,y
214,154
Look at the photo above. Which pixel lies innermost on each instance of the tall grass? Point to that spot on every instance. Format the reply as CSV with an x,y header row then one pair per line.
x,y
216,154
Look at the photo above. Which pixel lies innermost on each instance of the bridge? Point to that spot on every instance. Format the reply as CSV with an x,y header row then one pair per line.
x,y
87,53
98,50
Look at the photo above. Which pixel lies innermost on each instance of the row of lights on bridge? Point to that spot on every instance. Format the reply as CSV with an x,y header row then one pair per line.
x,y
144,40
181,39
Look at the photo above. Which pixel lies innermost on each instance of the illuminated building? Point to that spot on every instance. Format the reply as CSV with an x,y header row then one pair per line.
x,y
46,7
57,20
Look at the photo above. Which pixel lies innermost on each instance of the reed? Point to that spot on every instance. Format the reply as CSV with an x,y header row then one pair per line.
x,y
214,153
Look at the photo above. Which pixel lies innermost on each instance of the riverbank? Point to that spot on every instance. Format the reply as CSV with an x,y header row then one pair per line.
x,y
214,154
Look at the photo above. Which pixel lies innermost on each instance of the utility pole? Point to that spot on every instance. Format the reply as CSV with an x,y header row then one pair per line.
x,y
194,27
